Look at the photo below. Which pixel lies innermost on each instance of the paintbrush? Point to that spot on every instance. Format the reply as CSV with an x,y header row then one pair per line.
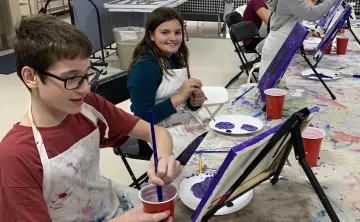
x,y
239,97
156,160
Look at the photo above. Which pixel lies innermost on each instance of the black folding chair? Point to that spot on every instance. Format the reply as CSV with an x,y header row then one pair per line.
x,y
239,34
113,88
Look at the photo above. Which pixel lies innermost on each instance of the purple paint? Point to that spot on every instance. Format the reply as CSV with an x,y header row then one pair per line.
x,y
199,189
322,75
249,128
280,63
224,125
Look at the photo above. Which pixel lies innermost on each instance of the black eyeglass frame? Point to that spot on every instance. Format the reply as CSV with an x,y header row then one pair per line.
x,y
65,80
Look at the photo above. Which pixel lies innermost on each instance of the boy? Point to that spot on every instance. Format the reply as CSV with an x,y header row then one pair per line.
x,y
49,161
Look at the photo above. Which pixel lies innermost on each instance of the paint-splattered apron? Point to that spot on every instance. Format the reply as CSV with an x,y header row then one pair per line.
x,y
184,125
73,188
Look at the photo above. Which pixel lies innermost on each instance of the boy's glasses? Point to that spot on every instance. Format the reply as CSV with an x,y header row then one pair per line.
x,y
70,83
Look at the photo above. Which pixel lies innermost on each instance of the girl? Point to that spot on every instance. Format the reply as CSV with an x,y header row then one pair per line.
x,y
286,14
257,12
160,81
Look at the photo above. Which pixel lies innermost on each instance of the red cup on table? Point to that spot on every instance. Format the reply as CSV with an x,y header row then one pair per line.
x,y
328,47
149,198
341,45
312,138
274,102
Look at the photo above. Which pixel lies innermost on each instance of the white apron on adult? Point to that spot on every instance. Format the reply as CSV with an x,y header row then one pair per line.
x,y
184,125
73,188
273,43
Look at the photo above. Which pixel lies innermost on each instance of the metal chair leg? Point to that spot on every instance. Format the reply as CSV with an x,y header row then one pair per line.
x,y
135,182
234,79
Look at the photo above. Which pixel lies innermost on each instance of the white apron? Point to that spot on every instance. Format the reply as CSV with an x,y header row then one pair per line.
x,y
273,43
184,125
73,188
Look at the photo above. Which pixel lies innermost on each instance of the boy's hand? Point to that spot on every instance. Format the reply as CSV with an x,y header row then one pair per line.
x,y
137,214
197,98
168,170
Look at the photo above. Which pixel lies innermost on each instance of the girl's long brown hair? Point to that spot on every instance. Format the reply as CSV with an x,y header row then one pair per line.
x,y
156,18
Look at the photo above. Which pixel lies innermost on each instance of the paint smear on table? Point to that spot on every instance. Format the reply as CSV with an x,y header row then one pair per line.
x,y
345,137
199,189
224,125
249,128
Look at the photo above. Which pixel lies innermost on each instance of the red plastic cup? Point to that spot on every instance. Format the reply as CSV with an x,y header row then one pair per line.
x,y
312,138
148,196
328,47
341,45
274,102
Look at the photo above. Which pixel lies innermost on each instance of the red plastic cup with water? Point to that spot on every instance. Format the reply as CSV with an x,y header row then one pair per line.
x,y
341,45
312,138
274,102
149,198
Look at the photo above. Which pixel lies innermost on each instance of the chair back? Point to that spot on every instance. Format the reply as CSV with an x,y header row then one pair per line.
x,y
112,87
233,18
243,31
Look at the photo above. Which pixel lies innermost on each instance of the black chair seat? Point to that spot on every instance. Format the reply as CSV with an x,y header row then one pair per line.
x,y
134,150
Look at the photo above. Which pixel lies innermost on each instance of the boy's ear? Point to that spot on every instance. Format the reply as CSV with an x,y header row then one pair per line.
x,y
30,77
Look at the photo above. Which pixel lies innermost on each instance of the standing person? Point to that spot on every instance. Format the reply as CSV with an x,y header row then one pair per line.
x,y
286,14
159,79
257,12
49,161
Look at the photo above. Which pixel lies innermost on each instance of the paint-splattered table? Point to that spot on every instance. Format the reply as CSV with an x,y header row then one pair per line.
x,y
338,170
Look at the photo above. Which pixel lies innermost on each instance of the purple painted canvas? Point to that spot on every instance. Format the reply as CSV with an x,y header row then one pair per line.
x,y
278,66
330,35
220,176
324,21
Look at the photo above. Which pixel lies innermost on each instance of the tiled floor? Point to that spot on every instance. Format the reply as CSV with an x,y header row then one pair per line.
x,y
212,60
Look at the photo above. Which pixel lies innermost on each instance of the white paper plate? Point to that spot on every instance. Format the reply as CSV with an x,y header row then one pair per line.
x,y
188,198
238,121
331,73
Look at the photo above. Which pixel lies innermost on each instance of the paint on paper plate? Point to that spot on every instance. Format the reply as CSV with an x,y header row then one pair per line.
x,y
322,75
200,188
249,128
224,125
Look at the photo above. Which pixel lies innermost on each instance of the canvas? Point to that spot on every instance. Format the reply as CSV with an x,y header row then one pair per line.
x,y
280,63
325,21
239,159
331,34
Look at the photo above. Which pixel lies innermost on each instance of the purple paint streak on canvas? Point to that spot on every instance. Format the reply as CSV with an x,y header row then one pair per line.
x,y
224,125
200,188
278,66
249,128
322,75
330,34
229,158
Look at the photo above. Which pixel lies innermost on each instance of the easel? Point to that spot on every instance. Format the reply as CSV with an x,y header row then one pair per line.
x,y
292,128
344,5
302,52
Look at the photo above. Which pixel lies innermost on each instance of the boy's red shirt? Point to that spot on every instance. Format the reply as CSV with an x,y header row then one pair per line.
x,y
21,172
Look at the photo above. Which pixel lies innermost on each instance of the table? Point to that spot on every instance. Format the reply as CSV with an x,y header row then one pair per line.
x,y
338,170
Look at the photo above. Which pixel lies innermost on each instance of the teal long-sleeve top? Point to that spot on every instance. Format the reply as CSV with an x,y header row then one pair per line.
x,y
144,80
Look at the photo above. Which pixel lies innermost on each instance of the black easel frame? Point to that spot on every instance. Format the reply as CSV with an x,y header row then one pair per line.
x,y
302,51
291,127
